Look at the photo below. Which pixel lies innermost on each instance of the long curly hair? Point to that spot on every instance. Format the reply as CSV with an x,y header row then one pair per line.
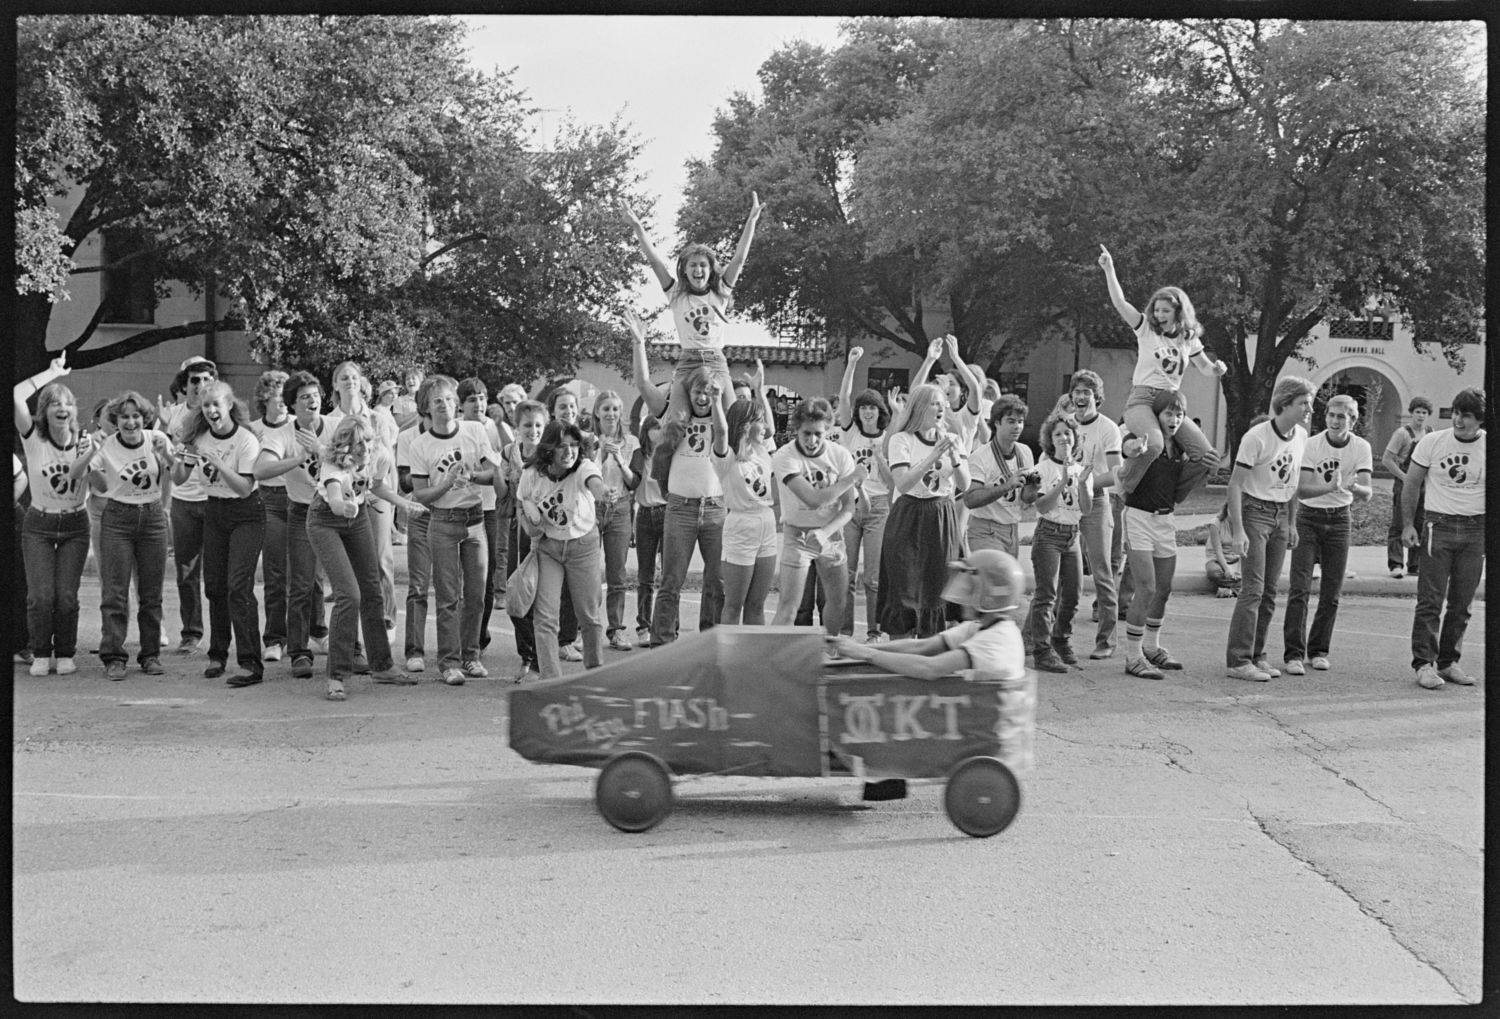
x,y
1187,318
552,437
57,393
196,424
1053,420
349,449
116,406
715,272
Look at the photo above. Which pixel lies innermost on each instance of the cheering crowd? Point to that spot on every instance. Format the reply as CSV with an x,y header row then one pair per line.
x,y
535,508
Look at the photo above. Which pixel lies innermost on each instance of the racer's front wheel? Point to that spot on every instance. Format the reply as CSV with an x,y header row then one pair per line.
x,y
634,791
982,797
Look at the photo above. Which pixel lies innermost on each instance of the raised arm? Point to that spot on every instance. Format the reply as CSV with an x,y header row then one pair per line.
x,y
653,257
965,375
651,394
846,389
720,430
26,388
742,249
934,351
1124,308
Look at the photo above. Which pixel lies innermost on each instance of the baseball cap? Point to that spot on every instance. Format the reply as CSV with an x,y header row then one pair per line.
x,y
195,361
387,386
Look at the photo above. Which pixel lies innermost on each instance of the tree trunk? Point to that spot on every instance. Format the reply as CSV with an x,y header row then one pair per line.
x,y
33,312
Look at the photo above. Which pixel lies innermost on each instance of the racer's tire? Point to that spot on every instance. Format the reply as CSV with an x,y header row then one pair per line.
x,y
982,797
633,791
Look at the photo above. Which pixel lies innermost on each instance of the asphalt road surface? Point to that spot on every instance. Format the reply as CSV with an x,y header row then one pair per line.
x,y
1195,840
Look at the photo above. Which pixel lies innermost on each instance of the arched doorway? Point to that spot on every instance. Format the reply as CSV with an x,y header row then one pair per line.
x,y
1379,402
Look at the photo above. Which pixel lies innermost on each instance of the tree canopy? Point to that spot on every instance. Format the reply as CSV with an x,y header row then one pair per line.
x,y
1282,173
350,182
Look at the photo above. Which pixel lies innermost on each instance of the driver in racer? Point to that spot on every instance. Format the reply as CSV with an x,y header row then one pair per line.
x,y
987,584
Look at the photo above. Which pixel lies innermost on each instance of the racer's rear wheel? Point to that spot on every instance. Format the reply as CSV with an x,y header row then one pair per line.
x,y
634,791
982,797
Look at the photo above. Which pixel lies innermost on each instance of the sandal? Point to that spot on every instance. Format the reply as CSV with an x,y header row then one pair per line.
x,y
1142,669
336,690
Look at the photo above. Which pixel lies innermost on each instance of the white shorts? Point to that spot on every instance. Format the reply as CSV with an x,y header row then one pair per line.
x,y
1155,531
748,536
797,549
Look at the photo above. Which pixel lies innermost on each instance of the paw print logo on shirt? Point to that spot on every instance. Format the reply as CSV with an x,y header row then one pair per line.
x,y
755,478
447,460
1281,469
57,479
816,476
933,479
1455,467
701,319
210,470
865,457
1070,491
1325,469
138,475
1169,360
312,465
552,508
697,437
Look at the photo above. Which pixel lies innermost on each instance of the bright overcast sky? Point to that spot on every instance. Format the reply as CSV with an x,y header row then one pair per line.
x,y
666,76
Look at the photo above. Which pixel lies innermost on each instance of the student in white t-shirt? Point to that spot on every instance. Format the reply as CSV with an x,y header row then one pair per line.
x,y
55,532
473,398
861,430
133,472
699,295
351,395
615,447
220,449
555,503
531,421
1450,466
742,458
816,478
270,411
1167,337
1336,466
1262,521
1062,493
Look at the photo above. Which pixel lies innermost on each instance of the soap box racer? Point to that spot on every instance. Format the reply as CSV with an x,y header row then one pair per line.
x,y
767,701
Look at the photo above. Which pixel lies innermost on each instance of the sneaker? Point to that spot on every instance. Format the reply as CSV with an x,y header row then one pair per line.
x,y
361,665
1453,674
453,677
1320,663
188,645
569,653
1224,592
393,677
528,673
22,658
114,671
66,667
336,690
244,678
273,653
1142,669
153,667
1047,661
320,644
618,642
1428,677
1065,652
1294,667
1397,573
1162,659
416,664
877,638
643,638
1102,651
1249,672
215,669
302,667
476,670
40,666
1265,666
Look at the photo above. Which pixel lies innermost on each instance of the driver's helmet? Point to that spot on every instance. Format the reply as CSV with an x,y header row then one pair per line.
x,y
987,581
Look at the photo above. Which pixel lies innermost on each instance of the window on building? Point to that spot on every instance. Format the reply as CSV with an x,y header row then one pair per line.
x,y
127,291
1018,383
883,380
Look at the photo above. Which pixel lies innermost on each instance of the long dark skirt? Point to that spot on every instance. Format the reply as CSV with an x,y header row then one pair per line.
x,y
914,569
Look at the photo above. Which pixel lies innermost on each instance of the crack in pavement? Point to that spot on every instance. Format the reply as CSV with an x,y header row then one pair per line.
x,y
1308,746
1366,910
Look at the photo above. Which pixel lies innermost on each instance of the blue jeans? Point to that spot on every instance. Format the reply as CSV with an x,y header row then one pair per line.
x,y
346,549
1322,537
525,631
187,553
689,522
614,534
1266,527
304,603
1451,561
1058,566
1096,530
580,561
132,540
233,532
492,548
54,546
865,532
649,522
457,541
418,584
273,566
